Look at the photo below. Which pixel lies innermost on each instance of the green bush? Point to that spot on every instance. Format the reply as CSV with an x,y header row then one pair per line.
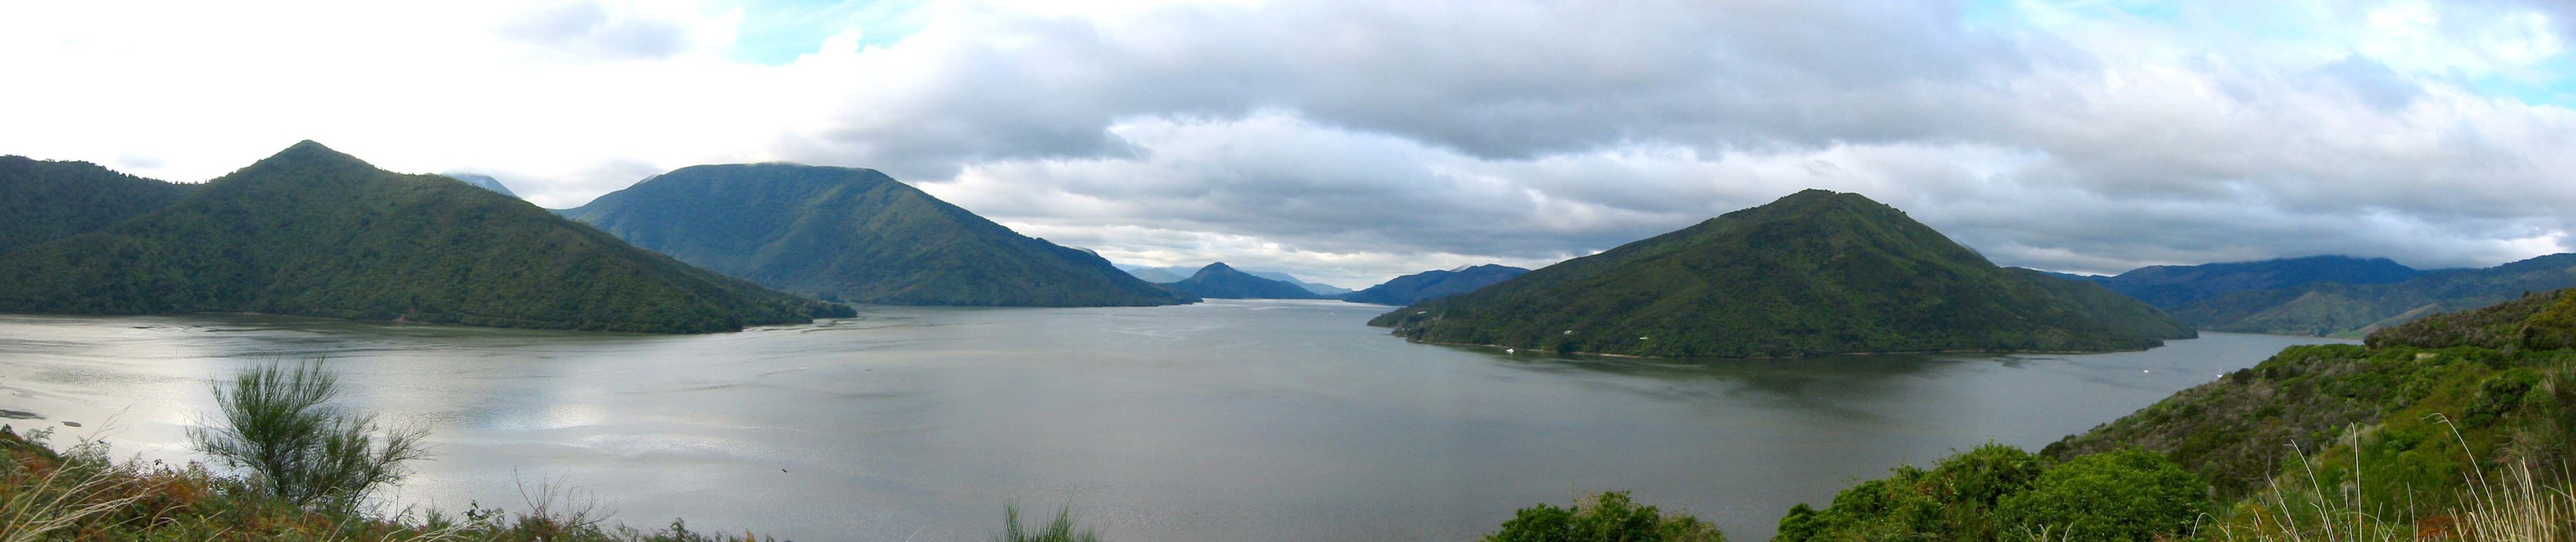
x,y
1607,517
2127,495
279,425
1955,500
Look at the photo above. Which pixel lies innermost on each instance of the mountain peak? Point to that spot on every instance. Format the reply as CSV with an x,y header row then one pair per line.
x,y
1857,270
1218,266
311,153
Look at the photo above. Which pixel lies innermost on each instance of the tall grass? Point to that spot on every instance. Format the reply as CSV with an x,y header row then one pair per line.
x,y
2522,505
1060,530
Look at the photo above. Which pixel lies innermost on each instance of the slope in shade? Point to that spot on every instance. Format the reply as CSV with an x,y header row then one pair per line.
x,y
42,200
2331,308
1221,281
1816,272
855,235
2170,287
1429,285
314,232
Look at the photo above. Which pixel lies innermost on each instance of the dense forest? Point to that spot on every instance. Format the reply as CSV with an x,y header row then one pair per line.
x,y
1435,284
1816,272
43,200
857,236
2171,287
314,232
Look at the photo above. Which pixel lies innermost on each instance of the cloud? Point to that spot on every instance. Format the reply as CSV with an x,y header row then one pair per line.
x,y
1354,141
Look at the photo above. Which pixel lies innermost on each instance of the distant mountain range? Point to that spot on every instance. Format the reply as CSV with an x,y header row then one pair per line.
x,y
2173,286
2334,308
855,235
314,232
1220,281
43,200
1429,285
1167,275
2329,295
485,182
1813,273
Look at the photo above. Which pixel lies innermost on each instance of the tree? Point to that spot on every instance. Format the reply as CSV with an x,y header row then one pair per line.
x,y
2127,495
279,425
1608,517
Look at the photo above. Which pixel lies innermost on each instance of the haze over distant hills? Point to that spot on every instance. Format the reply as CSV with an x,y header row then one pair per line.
x,y
1429,285
1221,281
855,235
43,200
485,182
1816,272
1167,275
314,232
2333,308
2172,286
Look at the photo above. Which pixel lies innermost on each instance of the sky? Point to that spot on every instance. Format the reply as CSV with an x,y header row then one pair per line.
x,y
1348,142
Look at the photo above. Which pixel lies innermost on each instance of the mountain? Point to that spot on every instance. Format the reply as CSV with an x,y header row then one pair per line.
x,y
314,232
44,200
1429,285
485,182
1168,275
2328,308
2171,286
1220,281
854,235
1816,272
1326,290
1158,275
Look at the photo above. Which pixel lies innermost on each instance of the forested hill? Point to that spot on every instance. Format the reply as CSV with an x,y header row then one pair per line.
x,y
43,200
1221,281
2329,308
1816,272
1435,284
855,235
314,232
2172,286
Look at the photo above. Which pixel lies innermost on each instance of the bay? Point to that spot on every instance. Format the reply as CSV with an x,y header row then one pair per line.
x,y
1227,420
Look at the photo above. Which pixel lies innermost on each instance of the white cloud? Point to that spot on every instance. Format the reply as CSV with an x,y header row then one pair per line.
x,y
1353,141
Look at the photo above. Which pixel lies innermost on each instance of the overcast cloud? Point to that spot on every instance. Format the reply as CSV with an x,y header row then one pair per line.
x,y
1351,141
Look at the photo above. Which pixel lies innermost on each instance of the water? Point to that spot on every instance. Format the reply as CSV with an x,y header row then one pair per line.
x,y
1228,420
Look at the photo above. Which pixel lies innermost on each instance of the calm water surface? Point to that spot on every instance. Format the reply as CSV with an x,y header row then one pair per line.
x,y
1229,420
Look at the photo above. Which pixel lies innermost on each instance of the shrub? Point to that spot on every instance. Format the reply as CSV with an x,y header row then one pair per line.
x,y
1607,517
279,425
2126,495
1060,530
1955,500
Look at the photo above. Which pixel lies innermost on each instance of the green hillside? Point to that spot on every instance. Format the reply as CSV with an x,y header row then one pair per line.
x,y
1435,284
2172,286
855,235
1816,272
2328,308
1220,281
314,232
43,200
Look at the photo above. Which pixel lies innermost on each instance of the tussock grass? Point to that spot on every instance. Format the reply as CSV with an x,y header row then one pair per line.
x,y
2523,504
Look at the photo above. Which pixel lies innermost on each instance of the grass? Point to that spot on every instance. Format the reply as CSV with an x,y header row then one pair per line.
x,y
2521,504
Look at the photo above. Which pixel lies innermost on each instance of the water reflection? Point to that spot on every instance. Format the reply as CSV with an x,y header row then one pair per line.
x,y
1225,420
